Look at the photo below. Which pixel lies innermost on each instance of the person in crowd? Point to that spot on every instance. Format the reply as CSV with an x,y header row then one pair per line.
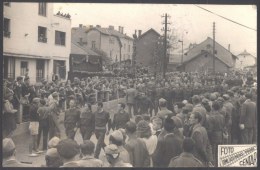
x,y
102,119
9,154
68,150
156,125
196,100
200,137
178,108
34,127
8,119
87,151
72,119
117,138
229,111
138,118
54,129
121,117
247,121
43,112
168,146
186,158
131,94
112,155
215,130
164,112
138,153
144,132
87,122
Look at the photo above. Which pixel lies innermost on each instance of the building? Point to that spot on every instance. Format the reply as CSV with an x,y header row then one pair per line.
x,y
83,61
200,58
35,41
147,52
245,59
113,43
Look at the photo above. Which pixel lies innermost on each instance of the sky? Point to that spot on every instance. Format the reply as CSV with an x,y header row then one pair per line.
x,y
187,22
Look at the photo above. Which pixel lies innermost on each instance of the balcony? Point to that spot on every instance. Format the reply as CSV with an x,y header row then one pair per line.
x,y
7,34
42,39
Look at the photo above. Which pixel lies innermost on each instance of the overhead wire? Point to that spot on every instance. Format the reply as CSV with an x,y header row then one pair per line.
x,y
225,18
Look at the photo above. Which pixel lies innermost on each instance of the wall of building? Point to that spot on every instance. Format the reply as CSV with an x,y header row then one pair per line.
x,y
145,49
127,48
23,41
93,35
113,47
203,63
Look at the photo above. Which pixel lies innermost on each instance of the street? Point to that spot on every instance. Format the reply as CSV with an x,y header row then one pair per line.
x,y
22,141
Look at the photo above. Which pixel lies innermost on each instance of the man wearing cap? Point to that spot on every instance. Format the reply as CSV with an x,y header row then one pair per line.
x,y
120,118
8,154
117,138
88,160
112,155
68,150
72,119
102,119
247,121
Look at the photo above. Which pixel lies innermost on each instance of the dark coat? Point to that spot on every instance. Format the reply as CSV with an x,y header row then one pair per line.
x,y
248,114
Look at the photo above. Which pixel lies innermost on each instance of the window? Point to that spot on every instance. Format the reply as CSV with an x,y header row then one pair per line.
x,y
6,29
11,68
42,34
24,67
42,8
7,4
60,38
39,70
128,48
59,68
111,40
93,44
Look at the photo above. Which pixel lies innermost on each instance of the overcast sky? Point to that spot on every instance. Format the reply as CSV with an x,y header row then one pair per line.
x,y
190,21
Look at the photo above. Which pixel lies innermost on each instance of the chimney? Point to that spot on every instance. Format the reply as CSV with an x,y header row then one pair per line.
x,y
119,28
136,32
228,47
111,27
91,26
80,25
139,33
98,26
122,30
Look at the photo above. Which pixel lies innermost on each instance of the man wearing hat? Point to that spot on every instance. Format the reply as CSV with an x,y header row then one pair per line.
x,y
68,150
112,155
9,159
196,100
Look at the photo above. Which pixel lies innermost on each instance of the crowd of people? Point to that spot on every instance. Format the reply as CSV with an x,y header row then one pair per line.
x,y
173,121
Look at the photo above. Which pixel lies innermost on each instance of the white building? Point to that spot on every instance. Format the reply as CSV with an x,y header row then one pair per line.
x,y
245,59
35,41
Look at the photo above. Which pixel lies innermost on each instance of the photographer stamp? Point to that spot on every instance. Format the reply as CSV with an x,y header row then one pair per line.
x,y
237,156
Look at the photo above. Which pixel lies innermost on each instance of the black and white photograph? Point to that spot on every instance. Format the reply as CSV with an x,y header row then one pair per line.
x,y
129,85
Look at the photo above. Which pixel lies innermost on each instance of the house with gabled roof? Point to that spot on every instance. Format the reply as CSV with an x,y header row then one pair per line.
x,y
200,58
147,52
245,60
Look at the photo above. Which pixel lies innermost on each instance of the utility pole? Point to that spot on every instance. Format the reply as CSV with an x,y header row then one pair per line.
x,y
164,61
213,48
